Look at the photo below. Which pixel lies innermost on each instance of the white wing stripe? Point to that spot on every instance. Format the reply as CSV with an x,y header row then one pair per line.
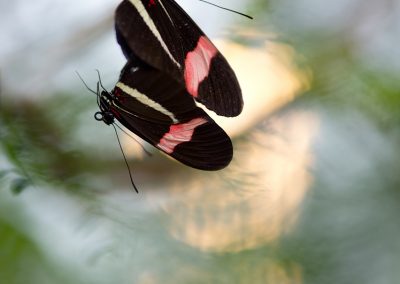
x,y
146,100
149,22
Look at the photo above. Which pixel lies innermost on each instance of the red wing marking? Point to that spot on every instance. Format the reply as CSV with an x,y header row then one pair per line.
x,y
197,64
179,133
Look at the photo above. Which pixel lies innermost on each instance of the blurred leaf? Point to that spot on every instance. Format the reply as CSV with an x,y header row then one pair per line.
x,y
19,184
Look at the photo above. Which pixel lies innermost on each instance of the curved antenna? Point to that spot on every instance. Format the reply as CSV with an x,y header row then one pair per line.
x,y
98,95
126,162
87,87
101,84
227,9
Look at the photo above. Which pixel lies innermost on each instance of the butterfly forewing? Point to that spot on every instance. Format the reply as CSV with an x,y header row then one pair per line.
x,y
138,33
161,34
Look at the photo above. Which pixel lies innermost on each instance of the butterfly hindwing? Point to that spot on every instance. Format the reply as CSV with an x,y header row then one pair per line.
x,y
152,95
161,34
158,109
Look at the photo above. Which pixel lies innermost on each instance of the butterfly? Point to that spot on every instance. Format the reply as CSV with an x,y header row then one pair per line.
x,y
171,65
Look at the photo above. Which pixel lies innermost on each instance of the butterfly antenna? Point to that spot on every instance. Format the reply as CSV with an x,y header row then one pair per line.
x,y
126,162
227,9
83,81
98,95
101,84
144,149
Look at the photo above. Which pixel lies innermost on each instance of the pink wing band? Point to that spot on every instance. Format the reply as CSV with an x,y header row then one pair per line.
x,y
197,64
179,133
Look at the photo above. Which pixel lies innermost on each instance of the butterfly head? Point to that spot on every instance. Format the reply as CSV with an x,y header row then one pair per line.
x,y
105,114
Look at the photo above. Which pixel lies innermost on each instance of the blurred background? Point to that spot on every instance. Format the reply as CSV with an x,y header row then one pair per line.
x,y
312,195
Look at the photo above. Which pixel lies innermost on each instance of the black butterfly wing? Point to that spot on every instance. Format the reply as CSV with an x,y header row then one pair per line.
x,y
139,34
157,109
160,33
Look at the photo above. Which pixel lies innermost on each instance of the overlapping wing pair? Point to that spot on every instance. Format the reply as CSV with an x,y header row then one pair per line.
x,y
171,63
